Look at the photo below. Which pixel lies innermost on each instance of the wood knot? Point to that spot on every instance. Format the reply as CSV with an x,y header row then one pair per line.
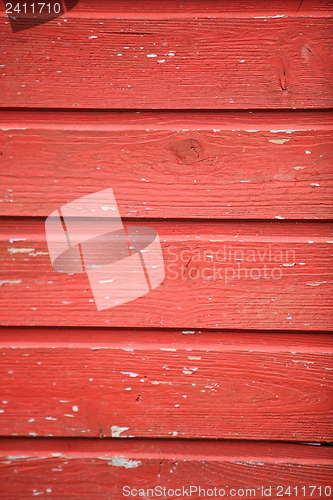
x,y
188,150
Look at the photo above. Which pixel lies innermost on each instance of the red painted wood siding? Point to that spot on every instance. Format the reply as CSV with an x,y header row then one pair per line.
x,y
212,123
194,58
183,165
206,285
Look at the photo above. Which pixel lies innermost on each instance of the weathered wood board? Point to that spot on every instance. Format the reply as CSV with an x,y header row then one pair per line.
x,y
166,384
196,58
217,165
258,275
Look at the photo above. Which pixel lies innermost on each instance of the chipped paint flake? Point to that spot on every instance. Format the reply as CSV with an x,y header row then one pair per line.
x,y
279,141
20,250
10,282
318,283
116,431
12,240
124,462
105,207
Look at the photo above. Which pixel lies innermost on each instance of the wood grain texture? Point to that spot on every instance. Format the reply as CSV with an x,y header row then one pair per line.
x,y
165,384
266,275
170,164
171,59
99,470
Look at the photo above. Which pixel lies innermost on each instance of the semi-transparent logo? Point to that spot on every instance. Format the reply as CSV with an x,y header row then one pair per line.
x,y
87,236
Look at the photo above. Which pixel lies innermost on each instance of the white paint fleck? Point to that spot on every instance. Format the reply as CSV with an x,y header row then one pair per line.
x,y
10,282
286,131
315,184
20,250
131,374
278,141
90,37
50,418
279,217
310,241
14,128
105,281
151,55
116,431
105,208
2,411
31,420
128,389
194,358
186,332
16,239
75,408
268,17
124,462
317,283
307,152
299,168
167,349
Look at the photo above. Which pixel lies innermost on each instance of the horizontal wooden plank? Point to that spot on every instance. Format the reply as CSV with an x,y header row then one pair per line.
x,y
165,384
203,60
170,164
264,275
111,469
195,7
